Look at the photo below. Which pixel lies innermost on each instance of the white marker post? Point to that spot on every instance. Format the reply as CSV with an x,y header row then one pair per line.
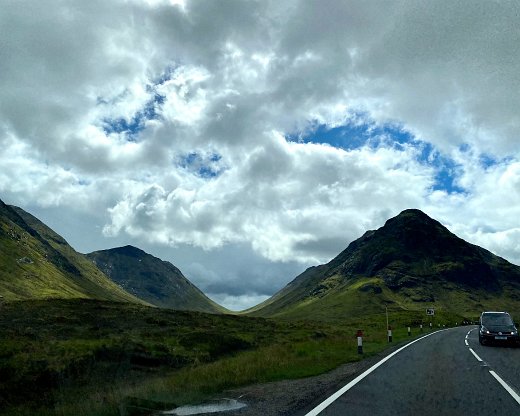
x,y
421,327
359,336
388,326
409,331
431,313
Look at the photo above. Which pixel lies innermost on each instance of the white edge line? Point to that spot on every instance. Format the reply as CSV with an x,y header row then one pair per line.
x,y
505,386
475,354
327,402
466,341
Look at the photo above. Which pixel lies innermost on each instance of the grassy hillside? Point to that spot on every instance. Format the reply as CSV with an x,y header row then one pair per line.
x,y
149,278
362,297
37,263
411,263
88,357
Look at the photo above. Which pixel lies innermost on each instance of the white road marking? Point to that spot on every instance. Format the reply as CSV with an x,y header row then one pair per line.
x,y
505,386
497,377
323,405
466,341
475,354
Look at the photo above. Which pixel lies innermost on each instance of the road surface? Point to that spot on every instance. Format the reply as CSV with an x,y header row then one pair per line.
x,y
445,373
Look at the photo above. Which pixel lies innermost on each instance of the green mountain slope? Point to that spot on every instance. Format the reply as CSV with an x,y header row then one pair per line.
x,y
147,277
411,262
38,263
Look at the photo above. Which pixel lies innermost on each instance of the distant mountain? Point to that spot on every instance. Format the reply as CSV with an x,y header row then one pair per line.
x,y
37,263
410,262
152,279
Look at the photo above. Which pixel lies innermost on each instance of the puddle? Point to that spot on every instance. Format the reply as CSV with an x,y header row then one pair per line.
x,y
223,405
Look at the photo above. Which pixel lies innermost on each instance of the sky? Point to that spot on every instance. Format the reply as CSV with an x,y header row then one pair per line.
x,y
245,141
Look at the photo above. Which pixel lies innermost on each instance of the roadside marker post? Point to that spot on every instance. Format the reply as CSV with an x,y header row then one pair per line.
x,y
420,327
409,331
388,326
359,335
431,313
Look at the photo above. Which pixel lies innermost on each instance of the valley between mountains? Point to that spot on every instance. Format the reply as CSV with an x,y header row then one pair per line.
x,y
92,334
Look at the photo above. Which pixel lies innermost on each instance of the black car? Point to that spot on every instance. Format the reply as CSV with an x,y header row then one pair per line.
x,y
497,327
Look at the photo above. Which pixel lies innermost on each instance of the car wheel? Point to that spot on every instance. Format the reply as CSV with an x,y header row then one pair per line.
x,y
481,340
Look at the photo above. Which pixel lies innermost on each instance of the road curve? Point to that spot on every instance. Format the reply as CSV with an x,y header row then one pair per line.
x,y
445,373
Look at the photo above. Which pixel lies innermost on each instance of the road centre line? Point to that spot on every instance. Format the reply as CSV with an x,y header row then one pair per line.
x,y
497,377
505,386
467,335
475,354
326,403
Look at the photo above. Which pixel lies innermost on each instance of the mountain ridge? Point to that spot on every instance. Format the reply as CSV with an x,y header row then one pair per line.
x,y
411,260
38,263
154,280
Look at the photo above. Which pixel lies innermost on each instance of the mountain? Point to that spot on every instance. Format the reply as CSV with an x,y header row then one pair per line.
x,y
410,262
37,263
151,279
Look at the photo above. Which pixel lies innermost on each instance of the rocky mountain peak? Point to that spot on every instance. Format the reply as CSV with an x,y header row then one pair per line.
x,y
129,251
413,258
152,279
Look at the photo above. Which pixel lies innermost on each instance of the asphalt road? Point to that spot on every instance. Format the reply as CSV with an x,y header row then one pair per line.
x,y
437,375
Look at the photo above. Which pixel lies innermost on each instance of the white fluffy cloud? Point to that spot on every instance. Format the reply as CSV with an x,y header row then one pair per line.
x,y
166,120
285,199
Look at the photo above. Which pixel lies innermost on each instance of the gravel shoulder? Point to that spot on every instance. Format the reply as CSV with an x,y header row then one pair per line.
x,y
297,397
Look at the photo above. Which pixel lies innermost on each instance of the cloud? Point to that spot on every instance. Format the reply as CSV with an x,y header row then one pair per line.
x,y
487,214
174,122
283,198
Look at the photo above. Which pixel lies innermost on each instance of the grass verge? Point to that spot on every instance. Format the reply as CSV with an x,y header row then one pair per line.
x,y
69,357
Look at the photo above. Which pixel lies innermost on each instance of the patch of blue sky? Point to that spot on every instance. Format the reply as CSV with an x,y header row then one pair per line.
x,y
131,128
487,160
445,180
447,172
205,166
166,75
353,136
356,135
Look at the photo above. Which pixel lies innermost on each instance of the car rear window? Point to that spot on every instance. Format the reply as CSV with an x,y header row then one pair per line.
x,y
496,319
